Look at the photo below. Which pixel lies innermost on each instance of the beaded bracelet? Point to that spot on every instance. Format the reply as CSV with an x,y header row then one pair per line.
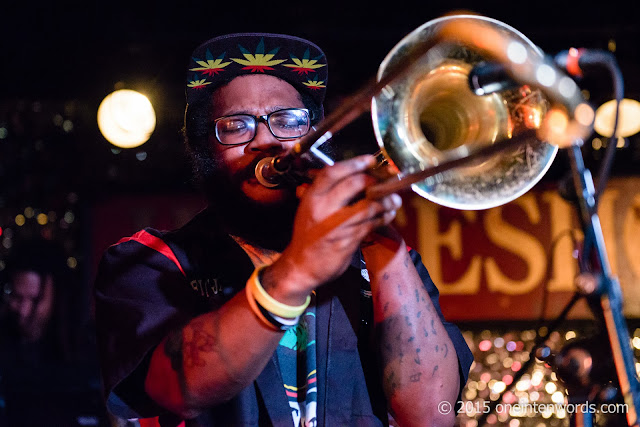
x,y
268,302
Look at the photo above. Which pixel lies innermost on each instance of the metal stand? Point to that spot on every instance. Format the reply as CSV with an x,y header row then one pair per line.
x,y
592,373
586,369
603,290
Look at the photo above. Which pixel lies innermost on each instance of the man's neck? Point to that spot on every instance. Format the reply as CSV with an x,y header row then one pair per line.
x,y
266,229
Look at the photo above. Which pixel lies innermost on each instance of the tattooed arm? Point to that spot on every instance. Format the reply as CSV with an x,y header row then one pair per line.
x,y
419,362
219,353
211,359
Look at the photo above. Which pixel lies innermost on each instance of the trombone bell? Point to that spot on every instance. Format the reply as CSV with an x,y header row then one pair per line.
x,y
430,116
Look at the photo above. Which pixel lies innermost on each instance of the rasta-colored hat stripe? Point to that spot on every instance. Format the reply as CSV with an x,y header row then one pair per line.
x,y
218,61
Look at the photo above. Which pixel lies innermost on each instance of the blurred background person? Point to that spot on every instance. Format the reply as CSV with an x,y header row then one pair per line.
x,y
47,369
35,311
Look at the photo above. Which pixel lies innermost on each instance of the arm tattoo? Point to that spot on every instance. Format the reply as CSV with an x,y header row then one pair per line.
x,y
406,331
200,342
391,383
435,368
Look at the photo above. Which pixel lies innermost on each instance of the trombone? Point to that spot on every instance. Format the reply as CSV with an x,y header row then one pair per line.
x,y
452,146
470,150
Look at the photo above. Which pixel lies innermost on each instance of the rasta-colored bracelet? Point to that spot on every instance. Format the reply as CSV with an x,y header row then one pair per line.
x,y
273,322
267,302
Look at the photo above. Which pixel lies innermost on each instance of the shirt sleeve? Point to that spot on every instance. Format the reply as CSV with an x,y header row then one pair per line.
x,y
137,299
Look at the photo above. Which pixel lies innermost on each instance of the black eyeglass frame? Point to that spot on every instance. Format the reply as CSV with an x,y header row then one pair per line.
x,y
264,119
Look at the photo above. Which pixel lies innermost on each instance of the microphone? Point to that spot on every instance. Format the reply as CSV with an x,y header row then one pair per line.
x,y
490,77
575,61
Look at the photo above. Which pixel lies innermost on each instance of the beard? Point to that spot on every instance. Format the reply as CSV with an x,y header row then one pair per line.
x,y
266,223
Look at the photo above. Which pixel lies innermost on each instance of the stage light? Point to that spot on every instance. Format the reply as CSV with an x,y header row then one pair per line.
x,y
126,118
42,219
628,121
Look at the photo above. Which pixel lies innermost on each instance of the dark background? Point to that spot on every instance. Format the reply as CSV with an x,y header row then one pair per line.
x,y
68,56
58,60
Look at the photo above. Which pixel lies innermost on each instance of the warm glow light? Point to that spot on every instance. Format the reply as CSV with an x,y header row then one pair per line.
x,y
584,114
72,262
558,397
557,121
484,345
628,121
42,219
537,378
550,387
499,387
126,118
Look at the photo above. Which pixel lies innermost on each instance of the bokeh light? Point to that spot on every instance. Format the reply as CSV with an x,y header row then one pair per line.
x,y
126,118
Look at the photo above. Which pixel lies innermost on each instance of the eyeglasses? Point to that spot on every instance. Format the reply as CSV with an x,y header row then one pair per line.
x,y
290,123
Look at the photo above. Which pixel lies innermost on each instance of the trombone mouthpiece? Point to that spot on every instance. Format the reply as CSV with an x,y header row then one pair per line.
x,y
267,174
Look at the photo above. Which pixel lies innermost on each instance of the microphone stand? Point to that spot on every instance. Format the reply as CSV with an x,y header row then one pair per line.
x,y
604,297
603,290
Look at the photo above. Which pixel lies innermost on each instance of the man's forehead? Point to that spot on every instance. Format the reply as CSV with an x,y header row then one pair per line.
x,y
262,82
255,93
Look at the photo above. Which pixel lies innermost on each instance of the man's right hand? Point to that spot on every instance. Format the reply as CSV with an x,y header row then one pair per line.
x,y
328,228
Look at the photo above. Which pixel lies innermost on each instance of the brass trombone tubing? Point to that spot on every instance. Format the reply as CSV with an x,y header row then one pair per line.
x,y
390,186
475,35
349,110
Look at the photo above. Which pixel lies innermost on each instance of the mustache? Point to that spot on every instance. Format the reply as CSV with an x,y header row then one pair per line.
x,y
240,175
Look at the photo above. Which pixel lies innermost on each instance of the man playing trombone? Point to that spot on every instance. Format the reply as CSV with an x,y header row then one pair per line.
x,y
277,305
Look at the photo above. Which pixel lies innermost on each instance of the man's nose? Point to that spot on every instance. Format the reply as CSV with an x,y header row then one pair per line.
x,y
264,140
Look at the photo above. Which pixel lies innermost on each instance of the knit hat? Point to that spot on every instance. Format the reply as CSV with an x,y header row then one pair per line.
x,y
295,60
